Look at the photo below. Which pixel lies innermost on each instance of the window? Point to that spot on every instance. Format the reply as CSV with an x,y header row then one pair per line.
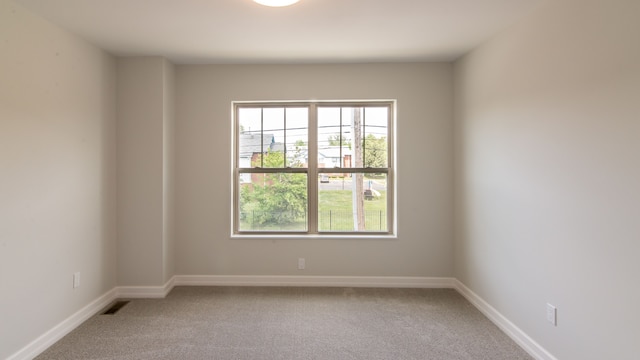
x,y
313,168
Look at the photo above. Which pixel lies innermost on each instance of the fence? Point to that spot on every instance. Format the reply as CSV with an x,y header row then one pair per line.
x,y
328,220
342,220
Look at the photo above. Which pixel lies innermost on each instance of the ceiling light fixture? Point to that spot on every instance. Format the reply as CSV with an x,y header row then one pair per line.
x,y
276,3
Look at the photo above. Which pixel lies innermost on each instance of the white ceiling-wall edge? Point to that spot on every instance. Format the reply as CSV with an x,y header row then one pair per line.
x,y
277,61
249,58
329,61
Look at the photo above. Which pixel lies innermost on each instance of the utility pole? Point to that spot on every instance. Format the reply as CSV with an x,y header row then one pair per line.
x,y
357,179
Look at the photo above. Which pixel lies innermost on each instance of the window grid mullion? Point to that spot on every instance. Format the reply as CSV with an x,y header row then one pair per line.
x,y
261,137
285,136
312,151
364,136
340,136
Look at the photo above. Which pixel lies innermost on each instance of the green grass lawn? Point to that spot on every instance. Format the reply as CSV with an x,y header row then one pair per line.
x,y
335,214
336,211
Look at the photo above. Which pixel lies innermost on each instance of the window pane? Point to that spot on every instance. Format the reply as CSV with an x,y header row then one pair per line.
x,y
272,137
375,135
352,137
352,202
273,202
273,129
329,137
296,138
251,139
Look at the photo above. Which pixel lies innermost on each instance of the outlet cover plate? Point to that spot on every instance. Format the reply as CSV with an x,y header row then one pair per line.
x,y
552,314
76,280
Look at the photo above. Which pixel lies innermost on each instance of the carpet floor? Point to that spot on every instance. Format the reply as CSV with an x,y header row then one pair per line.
x,y
291,323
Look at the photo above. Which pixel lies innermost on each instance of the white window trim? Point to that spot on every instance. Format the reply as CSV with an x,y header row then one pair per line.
x,y
313,172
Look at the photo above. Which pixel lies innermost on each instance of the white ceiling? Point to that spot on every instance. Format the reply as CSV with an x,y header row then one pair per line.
x,y
312,31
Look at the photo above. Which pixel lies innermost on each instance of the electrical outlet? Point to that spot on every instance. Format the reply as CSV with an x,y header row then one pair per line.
x,y
301,263
76,280
552,314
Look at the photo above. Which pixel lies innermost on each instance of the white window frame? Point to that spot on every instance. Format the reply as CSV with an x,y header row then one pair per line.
x,y
313,171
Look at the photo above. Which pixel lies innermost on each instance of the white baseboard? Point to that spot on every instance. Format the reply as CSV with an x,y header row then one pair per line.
x,y
515,333
47,339
317,281
146,292
50,337
59,331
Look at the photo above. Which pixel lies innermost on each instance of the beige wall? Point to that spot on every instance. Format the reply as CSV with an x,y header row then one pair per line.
x,y
57,175
545,175
424,138
145,178
548,173
168,187
140,171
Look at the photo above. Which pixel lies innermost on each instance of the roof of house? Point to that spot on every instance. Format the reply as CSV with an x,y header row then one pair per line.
x,y
250,144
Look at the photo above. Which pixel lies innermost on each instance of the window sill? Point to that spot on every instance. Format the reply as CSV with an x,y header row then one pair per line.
x,y
314,237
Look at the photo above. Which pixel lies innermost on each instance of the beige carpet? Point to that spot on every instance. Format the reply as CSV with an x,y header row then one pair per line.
x,y
291,323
